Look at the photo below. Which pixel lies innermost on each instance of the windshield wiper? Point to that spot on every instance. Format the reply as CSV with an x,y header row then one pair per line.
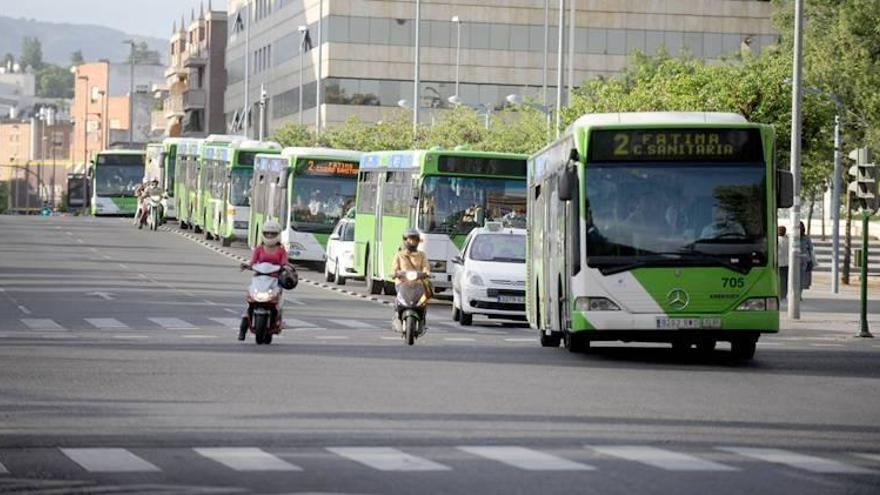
x,y
673,258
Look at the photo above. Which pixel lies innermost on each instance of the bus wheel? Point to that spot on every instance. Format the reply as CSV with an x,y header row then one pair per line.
x,y
575,343
706,346
681,346
225,241
744,348
551,340
374,286
389,289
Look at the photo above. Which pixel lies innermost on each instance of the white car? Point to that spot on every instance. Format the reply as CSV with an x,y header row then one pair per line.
x,y
339,265
489,278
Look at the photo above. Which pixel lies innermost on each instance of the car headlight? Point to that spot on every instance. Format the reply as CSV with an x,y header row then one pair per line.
x,y
595,304
298,246
759,304
476,280
437,266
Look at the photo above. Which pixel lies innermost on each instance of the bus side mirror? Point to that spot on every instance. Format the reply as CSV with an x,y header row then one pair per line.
x,y
567,183
784,189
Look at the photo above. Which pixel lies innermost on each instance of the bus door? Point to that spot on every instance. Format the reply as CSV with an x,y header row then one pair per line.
x,y
377,252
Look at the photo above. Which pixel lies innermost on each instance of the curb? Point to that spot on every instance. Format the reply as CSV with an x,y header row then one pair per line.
x,y
242,259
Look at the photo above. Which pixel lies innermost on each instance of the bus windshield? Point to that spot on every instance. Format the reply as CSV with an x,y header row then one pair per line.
x,y
318,202
674,213
240,190
455,205
117,180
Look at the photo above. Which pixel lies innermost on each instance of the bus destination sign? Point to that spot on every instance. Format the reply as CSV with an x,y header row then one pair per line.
x,y
706,144
329,168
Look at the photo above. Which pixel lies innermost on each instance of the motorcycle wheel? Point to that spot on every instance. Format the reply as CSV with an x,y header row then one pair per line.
x,y
261,328
411,326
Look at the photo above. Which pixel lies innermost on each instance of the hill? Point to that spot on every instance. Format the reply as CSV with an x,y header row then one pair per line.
x,y
60,40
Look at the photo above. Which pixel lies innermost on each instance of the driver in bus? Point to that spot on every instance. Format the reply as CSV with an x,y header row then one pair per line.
x,y
724,224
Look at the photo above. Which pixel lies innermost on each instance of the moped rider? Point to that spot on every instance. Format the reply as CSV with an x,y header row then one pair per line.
x,y
270,250
151,188
409,258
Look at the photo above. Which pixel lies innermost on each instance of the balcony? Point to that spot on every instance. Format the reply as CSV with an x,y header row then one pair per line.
x,y
173,106
194,57
194,99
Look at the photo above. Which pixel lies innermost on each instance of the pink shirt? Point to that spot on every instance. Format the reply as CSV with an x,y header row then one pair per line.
x,y
260,255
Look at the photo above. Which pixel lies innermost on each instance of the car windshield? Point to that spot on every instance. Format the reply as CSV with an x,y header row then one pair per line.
x,y
501,248
240,191
455,205
117,180
639,211
319,202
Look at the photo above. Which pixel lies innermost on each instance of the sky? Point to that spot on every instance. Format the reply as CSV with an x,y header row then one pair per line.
x,y
143,17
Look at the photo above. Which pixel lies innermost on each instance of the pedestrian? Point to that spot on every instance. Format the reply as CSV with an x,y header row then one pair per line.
x,y
782,260
807,259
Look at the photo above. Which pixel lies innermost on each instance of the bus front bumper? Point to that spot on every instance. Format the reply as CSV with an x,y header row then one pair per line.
x,y
659,324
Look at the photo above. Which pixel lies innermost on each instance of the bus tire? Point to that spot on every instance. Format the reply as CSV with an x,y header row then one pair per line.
x,y
706,346
576,343
552,340
389,289
743,348
374,286
225,241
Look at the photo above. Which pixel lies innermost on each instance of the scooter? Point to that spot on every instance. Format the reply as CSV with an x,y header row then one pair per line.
x,y
412,302
154,209
263,299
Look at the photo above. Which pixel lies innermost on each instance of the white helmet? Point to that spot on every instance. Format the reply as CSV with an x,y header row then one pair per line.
x,y
271,231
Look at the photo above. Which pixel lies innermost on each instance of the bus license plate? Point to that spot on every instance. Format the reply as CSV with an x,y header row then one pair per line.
x,y
512,299
687,323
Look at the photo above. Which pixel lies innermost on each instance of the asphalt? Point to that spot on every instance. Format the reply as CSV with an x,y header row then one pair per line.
x,y
114,338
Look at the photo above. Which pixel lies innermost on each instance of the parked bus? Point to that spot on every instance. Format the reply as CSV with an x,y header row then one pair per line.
x,y
656,227
442,193
225,186
307,190
186,179
161,162
114,176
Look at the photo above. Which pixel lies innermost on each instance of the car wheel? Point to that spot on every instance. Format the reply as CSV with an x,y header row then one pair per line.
x,y
340,280
327,275
456,313
465,319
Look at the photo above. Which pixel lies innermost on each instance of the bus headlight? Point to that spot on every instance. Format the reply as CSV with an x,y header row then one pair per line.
x,y
595,304
759,304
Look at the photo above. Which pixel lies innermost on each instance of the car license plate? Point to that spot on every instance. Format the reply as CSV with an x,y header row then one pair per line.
x,y
512,299
687,323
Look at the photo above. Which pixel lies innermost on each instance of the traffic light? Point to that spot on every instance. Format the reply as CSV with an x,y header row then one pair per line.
x,y
864,173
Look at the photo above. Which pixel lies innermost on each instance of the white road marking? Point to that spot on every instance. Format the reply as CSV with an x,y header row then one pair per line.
x,y
661,458
387,459
233,311
198,336
247,459
458,339
109,461
3,469
826,345
528,459
872,457
24,309
172,323
518,339
769,344
799,461
354,324
331,337
293,323
130,337
106,323
390,338
41,324
228,322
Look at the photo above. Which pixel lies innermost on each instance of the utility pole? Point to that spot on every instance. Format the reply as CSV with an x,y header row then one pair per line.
x,y
262,124
417,61
247,67
546,51
130,94
835,205
794,272
304,31
572,24
559,67
318,82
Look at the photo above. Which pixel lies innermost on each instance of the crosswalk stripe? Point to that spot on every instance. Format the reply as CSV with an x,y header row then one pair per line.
x,y
661,458
294,323
528,459
227,322
3,469
172,323
247,459
106,323
459,339
41,324
799,461
356,324
873,457
387,459
102,460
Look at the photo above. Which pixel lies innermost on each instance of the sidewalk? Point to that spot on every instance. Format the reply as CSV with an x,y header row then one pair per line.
x,y
834,314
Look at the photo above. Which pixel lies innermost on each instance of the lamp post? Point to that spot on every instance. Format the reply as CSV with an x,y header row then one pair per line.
x,y
318,119
794,273
515,99
416,78
546,51
559,66
485,107
130,93
457,21
303,32
84,123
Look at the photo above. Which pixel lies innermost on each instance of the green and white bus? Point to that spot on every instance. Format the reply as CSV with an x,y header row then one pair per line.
x,y
225,186
307,190
114,176
656,227
161,161
186,179
442,193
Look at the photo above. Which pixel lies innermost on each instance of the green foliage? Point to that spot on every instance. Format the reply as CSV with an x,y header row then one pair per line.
x,y
393,133
54,82
294,135
31,53
517,130
143,55
8,60
457,127
76,58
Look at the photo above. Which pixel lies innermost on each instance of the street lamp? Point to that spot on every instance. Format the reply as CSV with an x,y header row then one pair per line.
x,y
517,100
486,108
304,32
416,62
131,43
457,22
84,124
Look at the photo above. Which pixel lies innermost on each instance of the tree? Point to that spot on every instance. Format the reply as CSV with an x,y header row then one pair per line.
x,y
8,61
31,53
457,127
54,82
143,55
516,130
294,135
76,58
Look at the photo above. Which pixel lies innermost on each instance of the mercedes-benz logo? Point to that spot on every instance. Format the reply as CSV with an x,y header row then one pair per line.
x,y
677,299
